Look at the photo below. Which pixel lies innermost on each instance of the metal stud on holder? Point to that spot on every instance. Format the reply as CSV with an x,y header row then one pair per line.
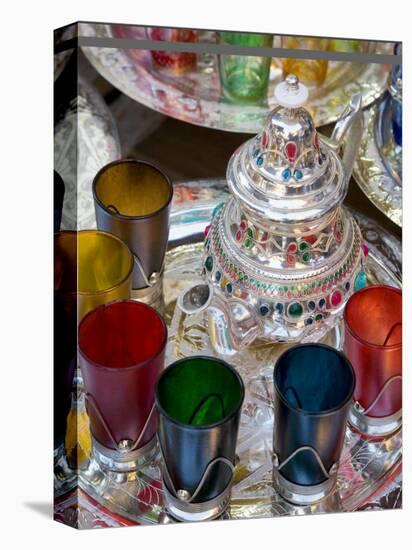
x,y
303,494
127,456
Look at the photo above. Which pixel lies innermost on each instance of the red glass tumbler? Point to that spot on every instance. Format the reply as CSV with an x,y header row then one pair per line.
x,y
373,344
122,349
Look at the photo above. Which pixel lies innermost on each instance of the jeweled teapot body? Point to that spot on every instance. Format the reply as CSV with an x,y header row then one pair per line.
x,y
283,255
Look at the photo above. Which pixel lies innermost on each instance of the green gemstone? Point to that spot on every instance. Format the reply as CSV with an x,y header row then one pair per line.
x,y
209,263
318,317
295,310
241,275
251,280
249,232
265,286
258,284
292,288
248,243
303,246
306,256
285,288
313,285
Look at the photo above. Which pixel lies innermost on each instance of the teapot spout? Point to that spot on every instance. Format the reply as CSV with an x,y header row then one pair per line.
x,y
347,134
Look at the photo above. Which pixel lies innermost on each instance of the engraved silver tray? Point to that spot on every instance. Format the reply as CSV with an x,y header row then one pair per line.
x,y
369,475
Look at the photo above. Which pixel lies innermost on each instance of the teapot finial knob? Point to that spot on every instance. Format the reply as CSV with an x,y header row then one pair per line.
x,y
292,81
291,93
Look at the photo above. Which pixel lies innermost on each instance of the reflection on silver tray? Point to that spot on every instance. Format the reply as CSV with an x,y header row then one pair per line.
x,y
377,169
369,472
195,96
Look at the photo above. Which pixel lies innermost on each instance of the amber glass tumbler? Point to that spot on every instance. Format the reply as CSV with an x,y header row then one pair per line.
x,y
91,267
122,348
132,200
373,344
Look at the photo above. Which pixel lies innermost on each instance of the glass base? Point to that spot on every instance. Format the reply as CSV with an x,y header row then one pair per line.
x,y
374,426
196,511
120,461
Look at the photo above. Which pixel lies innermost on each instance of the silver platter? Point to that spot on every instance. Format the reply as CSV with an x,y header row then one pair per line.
x,y
376,171
369,472
196,97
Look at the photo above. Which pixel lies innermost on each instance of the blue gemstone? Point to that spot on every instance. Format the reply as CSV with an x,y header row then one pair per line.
x,y
279,308
347,285
259,161
218,276
361,281
311,305
308,321
229,288
255,153
286,174
298,175
322,303
264,310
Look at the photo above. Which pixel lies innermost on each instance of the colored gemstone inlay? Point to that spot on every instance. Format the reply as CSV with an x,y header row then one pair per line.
x,y
279,308
298,175
322,303
286,174
336,298
295,310
290,150
209,263
218,276
229,288
311,305
264,310
292,248
259,161
361,281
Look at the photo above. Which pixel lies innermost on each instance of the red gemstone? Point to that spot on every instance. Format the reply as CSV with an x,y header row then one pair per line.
x,y
290,150
207,229
243,225
239,235
336,298
289,294
365,250
311,239
264,139
291,259
292,248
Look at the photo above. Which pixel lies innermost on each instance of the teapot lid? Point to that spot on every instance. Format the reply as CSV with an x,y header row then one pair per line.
x,y
287,173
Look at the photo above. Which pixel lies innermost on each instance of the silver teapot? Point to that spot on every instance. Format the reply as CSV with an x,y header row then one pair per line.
x,y
282,255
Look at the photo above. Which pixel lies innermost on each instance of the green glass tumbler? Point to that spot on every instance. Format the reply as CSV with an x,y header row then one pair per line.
x,y
243,78
199,400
